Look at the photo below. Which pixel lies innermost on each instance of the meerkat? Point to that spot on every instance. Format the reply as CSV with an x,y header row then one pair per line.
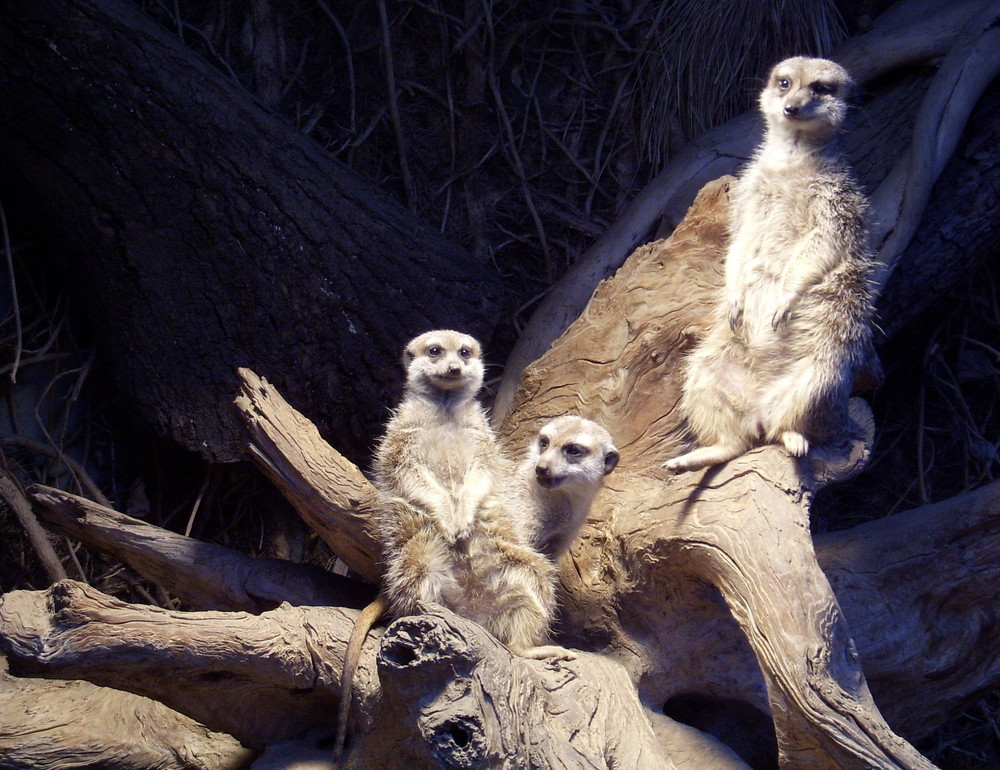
x,y
453,530
794,323
562,472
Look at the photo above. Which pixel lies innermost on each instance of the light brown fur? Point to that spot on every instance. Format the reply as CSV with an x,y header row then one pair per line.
x,y
562,472
452,527
793,325
451,531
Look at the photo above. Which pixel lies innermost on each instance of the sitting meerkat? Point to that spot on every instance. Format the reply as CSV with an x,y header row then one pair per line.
x,y
452,529
451,532
563,470
794,323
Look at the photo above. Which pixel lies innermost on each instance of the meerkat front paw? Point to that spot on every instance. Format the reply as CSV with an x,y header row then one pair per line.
x,y
784,310
550,652
735,313
796,444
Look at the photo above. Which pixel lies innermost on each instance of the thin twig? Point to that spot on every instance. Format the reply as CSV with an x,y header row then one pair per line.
x,y
397,124
77,469
13,293
11,493
197,502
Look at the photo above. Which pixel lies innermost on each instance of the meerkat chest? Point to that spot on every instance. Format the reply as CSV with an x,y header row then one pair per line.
x,y
776,210
448,451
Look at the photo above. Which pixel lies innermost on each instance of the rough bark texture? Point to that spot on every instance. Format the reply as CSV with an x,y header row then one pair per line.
x,y
203,576
209,234
42,723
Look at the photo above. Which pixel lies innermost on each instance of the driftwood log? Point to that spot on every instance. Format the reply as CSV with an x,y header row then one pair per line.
x,y
685,591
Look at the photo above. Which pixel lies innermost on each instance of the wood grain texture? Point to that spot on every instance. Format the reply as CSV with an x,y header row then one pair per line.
x,y
42,722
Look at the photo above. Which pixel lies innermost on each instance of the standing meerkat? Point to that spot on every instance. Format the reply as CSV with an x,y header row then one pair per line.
x,y
453,530
794,324
562,472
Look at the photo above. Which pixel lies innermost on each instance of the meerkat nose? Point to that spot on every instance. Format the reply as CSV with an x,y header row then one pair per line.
x,y
454,369
541,471
791,110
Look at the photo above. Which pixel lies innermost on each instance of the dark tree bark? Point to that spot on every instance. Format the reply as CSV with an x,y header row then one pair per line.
x,y
206,233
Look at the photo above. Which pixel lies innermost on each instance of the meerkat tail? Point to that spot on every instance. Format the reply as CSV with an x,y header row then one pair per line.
x,y
705,456
368,617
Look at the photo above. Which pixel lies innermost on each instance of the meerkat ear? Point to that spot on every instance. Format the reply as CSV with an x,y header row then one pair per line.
x,y
408,356
610,460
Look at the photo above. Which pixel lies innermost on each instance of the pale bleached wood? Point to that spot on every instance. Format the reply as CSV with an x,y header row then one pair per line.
x,y
446,694
204,576
327,490
259,678
45,722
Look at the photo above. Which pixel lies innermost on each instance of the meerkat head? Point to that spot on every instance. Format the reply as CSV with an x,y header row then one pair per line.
x,y
573,455
443,361
806,98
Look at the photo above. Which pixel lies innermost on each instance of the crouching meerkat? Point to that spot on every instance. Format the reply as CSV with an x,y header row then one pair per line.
x,y
452,528
794,324
562,472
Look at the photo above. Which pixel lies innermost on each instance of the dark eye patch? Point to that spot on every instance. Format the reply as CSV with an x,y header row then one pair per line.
x,y
543,443
575,450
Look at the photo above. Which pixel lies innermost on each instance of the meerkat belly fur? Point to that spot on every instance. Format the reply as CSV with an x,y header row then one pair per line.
x,y
562,472
794,321
452,522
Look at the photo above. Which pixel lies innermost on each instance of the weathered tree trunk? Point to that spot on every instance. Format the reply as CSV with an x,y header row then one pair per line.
x,y
45,725
693,589
206,233
700,587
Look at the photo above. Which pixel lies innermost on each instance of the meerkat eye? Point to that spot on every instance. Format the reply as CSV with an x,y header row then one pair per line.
x,y
543,443
574,450
783,83
434,351
822,89
465,352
